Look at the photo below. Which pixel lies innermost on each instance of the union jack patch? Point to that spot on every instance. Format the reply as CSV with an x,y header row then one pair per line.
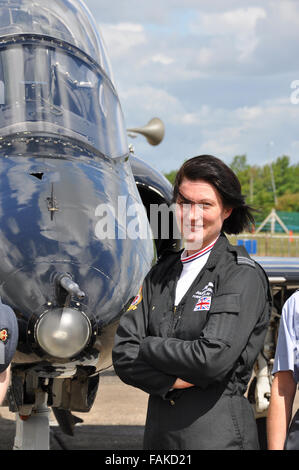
x,y
204,303
136,301
4,335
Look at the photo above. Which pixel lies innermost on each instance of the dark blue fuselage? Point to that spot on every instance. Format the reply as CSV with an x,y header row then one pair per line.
x,y
53,220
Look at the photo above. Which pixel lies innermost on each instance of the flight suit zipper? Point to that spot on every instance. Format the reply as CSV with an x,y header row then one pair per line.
x,y
177,310
177,316
175,319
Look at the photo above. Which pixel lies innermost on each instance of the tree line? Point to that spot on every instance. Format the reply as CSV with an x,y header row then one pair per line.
x,y
274,185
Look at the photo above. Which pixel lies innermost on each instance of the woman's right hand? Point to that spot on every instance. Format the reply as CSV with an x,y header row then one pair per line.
x,y
179,384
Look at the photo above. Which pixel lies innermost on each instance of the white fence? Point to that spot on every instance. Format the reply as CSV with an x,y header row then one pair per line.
x,y
267,244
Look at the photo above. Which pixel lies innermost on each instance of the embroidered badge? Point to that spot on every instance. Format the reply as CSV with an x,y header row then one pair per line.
x,y
204,303
3,335
208,290
136,301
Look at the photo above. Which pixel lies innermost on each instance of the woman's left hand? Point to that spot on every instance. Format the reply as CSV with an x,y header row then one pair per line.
x,y
179,383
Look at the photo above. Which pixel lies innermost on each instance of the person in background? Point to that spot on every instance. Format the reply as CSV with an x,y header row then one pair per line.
x,y
8,345
191,336
282,434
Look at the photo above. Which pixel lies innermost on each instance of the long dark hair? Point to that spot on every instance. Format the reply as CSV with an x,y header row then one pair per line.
x,y
216,172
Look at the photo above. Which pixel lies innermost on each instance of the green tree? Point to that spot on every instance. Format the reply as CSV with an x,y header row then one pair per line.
x,y
171,176
288,202
239,164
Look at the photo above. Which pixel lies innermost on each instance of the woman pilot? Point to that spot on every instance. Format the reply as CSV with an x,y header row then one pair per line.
x,y
192,336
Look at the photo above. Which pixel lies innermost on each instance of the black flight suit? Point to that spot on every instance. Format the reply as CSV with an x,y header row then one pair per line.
x,y
213,349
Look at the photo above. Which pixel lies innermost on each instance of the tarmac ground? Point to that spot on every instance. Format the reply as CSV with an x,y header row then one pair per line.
x,y
115,422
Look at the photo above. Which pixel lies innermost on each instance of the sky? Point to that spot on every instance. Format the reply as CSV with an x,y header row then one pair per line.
x,y
222,75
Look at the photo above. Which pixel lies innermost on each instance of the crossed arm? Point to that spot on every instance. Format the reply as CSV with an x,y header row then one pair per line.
x,y
157,364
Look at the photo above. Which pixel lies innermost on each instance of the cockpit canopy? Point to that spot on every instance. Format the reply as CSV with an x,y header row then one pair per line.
x,y
68,20
55,77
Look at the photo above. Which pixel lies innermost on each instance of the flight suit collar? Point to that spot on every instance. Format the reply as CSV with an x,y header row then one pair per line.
x,y
220,246
204,276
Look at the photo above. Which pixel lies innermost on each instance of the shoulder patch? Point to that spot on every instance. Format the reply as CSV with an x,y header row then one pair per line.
x,y
245,260
4,335
137,300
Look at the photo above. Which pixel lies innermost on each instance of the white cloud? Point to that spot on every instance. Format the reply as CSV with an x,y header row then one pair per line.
x,y
287,11
239,21
243,130
121,38
161,59
150,101
218,74
238,25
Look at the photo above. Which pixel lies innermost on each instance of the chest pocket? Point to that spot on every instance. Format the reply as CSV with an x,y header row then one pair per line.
x,y
223,319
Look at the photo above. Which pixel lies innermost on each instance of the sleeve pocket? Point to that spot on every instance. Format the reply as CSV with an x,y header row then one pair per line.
x,y
223,319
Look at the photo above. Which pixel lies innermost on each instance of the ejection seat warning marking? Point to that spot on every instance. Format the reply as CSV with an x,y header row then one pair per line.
x,y
2,93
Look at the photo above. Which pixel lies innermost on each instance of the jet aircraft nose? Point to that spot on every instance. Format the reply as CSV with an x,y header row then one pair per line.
x,y
97,241
69,205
